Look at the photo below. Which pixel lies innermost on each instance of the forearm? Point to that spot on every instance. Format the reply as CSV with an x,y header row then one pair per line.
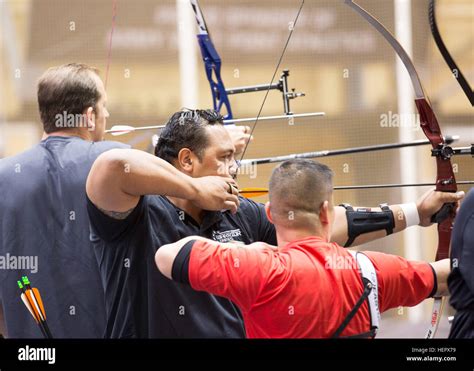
x,y
119,177
442,269
341,230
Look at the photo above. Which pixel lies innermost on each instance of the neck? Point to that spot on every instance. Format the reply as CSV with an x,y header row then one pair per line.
x,y
69,133
187,206
286,235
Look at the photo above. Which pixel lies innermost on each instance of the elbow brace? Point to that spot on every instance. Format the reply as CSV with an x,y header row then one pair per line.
x,y
363,220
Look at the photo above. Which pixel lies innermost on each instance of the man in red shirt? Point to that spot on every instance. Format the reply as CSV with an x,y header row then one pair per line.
x,y
307,286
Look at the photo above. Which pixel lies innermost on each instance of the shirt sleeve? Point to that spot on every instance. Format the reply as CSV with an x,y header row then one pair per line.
x,y
402,282
462,249
110,229
237,273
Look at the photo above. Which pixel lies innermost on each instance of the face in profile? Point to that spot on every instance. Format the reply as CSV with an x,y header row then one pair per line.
x,y
218,158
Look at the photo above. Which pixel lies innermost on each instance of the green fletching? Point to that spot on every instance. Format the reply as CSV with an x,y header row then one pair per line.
x,y
19,284
25,279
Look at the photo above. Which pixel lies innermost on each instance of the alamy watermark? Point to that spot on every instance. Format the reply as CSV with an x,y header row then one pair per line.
x,y
400,120
335,261
8,261
37,354
67,120
248,168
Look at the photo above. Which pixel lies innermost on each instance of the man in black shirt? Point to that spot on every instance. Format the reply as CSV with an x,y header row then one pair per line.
x,y
139,202
43,216
461,279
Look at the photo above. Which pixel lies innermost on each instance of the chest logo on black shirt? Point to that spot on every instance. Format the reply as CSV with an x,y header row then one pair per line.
x,y
227,236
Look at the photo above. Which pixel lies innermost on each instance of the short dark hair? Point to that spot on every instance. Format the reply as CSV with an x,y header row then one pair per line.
x,y
186,129
297,190
68,88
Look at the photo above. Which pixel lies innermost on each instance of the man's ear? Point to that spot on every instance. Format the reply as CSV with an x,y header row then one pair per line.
x,y
89,116
324,214
186,160
268,212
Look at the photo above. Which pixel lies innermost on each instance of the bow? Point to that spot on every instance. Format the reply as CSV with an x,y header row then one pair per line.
x,y
445,180
457,73
212,63
220,95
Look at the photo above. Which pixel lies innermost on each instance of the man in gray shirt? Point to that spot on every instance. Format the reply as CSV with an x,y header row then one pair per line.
x,y
44,227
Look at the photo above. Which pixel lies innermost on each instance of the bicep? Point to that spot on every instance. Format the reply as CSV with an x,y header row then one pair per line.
x,y
104,188
119,225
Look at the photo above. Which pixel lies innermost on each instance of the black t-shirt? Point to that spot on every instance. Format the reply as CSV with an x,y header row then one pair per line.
x,y
44,230
461,279
143,303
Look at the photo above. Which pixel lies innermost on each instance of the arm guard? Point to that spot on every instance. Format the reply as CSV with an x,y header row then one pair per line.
x,y
363,220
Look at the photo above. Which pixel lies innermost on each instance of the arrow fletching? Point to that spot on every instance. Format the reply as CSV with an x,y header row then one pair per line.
x,y
40,301
34,304
25,300
28,306
32,297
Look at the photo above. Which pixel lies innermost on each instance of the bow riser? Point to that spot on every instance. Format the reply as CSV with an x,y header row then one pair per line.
x,y
212,62
446,181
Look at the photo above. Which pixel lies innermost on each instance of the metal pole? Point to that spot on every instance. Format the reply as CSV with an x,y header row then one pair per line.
x,y
187,54
408,165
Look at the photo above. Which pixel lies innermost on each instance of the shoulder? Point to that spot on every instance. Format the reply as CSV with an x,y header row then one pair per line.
x,y
100,147
468,203
250,208
464,217
9,164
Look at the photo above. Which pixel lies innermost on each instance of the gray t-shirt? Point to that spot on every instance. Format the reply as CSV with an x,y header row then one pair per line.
x,y
44,234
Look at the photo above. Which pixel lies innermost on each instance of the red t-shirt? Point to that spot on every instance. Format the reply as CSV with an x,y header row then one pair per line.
x,y
307,288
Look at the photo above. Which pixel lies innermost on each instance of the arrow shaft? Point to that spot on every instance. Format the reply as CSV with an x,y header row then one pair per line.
x,y
256,192
117,129
127,129
279,117
379,186
337,152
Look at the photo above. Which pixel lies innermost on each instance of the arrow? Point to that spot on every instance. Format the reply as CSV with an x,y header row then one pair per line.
x,y
35,305
125,129
117,130
380,186
251,192
32,308
29,305
279,117
345,151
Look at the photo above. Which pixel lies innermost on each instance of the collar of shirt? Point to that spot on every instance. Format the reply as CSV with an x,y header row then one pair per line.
x,y
209,219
